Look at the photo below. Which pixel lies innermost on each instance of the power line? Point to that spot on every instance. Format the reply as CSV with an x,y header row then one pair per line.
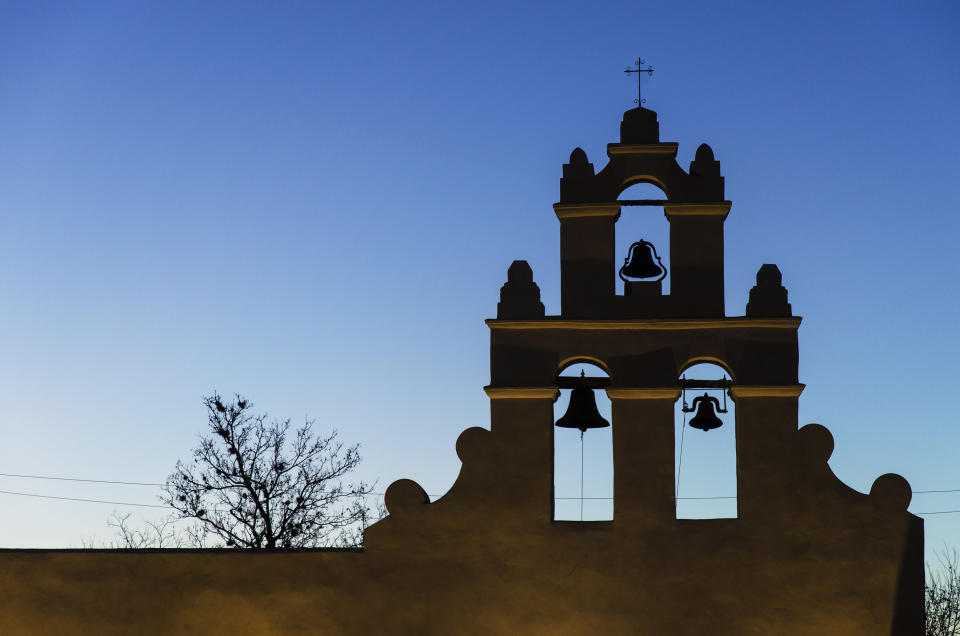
x,y
150,483
141,505
706,497
611,498
95,481
116,503
380,494
377,494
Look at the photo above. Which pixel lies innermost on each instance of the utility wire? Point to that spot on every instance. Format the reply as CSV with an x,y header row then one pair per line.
x,y
141,505
378,494
683,428
95,481
116,503
148,483
611,498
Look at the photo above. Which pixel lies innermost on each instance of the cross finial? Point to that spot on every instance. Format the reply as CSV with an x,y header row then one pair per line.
x,y
649,71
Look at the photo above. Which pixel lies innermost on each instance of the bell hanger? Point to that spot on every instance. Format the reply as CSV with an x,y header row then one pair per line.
x,y
582,410
706,407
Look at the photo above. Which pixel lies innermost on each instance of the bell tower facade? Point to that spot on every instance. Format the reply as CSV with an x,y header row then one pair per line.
x,y
644,338
852,563
588,211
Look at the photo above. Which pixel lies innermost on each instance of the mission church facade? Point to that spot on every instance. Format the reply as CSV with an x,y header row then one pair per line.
x,y
804,555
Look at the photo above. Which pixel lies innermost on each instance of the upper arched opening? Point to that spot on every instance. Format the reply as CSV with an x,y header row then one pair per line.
x,y
639,219
643,188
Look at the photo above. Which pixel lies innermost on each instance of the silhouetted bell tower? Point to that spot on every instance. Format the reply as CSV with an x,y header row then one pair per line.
x,y
848,562
588,210
645,339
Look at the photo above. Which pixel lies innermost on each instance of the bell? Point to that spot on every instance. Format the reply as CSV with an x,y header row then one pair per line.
x,y
706,418
582,411
640,262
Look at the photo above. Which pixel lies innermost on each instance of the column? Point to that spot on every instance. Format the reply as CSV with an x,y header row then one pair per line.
x,y
643,455
766,421
696,257
521,421
587,272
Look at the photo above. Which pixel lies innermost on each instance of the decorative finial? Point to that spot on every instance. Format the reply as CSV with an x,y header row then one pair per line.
x,y
649,71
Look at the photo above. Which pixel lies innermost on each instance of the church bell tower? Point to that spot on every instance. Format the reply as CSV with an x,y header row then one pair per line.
x,y
805,553
643,338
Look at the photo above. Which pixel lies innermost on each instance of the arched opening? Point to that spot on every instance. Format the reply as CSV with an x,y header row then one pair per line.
x,y
582,460
659,193
706,457
645,222
586,362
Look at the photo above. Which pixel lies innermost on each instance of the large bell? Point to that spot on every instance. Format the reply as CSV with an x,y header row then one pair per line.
x,y
640,263
706,418
582,411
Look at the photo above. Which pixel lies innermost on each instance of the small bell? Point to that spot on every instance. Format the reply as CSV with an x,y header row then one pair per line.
x,y
706,418
582,411
640,263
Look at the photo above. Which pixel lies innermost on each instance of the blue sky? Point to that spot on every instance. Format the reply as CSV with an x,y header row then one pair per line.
x,y
315,204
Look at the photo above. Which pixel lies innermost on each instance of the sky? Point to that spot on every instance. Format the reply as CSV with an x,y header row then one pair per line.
x,y
315,204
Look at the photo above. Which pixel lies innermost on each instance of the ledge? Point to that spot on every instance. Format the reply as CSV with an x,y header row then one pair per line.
x,y
636,393
582,210
783,390
522,392
716,208
648,324
666,148
612,208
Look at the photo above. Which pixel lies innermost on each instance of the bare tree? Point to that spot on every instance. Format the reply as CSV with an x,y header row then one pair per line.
x,y
254,484
157,533
942,598
149,533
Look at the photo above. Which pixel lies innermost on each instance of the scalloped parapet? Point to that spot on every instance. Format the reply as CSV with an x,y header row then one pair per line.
x,y
404,495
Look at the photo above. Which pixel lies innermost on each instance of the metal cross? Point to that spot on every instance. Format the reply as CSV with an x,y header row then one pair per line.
x,y
649,71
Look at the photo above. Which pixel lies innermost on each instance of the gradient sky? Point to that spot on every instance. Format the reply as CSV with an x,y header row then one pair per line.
x,y
315,204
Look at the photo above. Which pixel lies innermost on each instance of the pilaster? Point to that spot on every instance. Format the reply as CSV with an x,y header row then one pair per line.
x,y
696,257
643,455
766,421
586,256
521,421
